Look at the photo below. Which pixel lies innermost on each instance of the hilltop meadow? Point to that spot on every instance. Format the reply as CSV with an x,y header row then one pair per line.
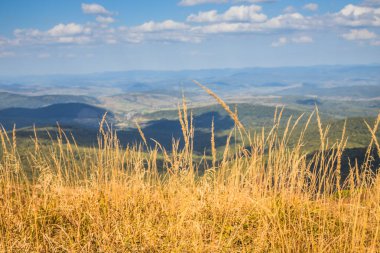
x,y
263,191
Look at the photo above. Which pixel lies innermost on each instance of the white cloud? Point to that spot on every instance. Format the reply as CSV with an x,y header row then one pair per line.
x,y
226,28
291,21
152,26
105,20
62,33
355,11
353,15
166,31
68,29
94,9
280,42
197,2
236,19
75,40
244,13
176,37
359,34
250,13
204,16
242,22
311,7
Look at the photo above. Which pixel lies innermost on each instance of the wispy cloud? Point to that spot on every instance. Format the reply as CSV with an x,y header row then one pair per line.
x,y
297,40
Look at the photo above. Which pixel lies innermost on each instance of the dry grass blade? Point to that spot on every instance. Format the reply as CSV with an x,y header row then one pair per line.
x,y
233,115
141,133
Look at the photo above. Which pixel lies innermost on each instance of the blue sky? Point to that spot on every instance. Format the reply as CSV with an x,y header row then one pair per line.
x,y
74,36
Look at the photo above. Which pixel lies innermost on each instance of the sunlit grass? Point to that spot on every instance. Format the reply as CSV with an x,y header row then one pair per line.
x,y
262,195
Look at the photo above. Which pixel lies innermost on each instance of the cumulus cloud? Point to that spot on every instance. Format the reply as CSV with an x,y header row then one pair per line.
x,y
250,13
311,7
166,31
68,29
359,34
94,9
353,15
226,28
251,20
291,21
61,33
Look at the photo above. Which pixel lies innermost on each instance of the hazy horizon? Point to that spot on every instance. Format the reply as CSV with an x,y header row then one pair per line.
x,y
187,70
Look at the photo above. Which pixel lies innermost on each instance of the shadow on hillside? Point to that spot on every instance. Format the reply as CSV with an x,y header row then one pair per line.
x,y
163,131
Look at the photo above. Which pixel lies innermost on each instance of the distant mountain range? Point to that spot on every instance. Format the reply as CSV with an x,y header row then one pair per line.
x,y
228,80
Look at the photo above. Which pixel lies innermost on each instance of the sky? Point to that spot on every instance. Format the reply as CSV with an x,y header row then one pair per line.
x,y
75,36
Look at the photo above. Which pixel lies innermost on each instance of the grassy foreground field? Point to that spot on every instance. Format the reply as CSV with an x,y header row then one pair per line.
x,y
263,195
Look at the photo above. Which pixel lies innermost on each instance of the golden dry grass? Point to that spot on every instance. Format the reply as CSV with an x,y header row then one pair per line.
x,y
261,197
